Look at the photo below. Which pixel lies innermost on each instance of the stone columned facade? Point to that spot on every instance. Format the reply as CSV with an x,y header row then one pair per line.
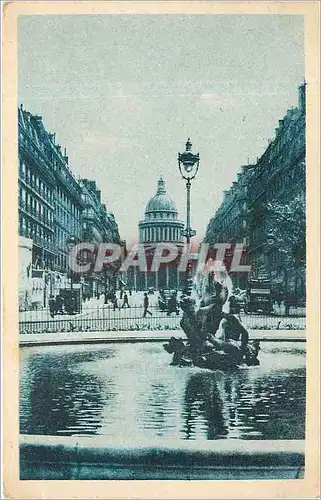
x,y
160,225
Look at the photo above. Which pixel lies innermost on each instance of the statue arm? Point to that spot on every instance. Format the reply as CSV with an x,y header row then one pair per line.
x,y
239,330
244,335
221,335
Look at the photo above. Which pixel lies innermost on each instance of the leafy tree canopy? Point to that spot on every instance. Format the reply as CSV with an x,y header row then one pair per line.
x,y
286,226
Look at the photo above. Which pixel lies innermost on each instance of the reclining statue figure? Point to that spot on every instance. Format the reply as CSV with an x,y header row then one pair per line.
x,y
215,339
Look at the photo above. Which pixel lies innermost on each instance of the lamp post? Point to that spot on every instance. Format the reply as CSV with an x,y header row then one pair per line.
x,y
72,240
188,163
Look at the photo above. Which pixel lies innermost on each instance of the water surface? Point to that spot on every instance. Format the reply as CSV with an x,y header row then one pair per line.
x,y
130,391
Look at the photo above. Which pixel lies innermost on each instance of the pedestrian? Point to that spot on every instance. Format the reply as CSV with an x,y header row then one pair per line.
x,y
115,302
68,304
59,304
73,305
52,306
125,302
130,292
146,304
172,305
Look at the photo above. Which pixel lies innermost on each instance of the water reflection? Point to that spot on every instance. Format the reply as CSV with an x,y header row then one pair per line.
x,y
130,392
204,407
221,405
61,399
157,408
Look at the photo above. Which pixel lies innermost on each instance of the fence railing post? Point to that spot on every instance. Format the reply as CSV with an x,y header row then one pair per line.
x,y
104,318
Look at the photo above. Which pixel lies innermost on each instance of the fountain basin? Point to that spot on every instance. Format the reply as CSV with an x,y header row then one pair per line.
x,y
120,411
66,458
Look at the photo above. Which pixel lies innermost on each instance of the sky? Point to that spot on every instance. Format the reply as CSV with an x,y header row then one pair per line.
x,y
123,94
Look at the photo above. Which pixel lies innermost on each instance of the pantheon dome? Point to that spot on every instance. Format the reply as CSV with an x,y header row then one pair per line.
x,y
160,223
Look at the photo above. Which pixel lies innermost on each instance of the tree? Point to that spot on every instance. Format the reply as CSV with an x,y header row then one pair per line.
x,y
286,231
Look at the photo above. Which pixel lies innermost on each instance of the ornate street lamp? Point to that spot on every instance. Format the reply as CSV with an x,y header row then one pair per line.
x,y
188,163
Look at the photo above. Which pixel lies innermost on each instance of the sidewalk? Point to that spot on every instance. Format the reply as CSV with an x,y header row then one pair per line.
x,y
143,336
135,300
44,314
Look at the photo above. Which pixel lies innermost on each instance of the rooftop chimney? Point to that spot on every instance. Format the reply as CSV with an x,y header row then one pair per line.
x,y
226,194
301,97
91,184
289,113
52,137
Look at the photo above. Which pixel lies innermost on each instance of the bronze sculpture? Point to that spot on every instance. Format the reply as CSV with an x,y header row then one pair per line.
x,y
215,339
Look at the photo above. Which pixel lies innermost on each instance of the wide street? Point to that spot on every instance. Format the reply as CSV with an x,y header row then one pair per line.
x,y
97,316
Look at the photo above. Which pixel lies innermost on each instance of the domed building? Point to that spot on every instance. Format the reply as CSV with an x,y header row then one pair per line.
x,y
160,225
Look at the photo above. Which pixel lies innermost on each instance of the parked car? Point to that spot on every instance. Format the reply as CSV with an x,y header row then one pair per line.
x,y
164,296
259,297
71,299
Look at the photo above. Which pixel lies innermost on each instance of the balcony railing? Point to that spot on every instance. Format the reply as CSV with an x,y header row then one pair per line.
x,y
38,240
39,192
35,214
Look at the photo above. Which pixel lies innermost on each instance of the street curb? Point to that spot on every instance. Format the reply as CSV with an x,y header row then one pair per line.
x,y
28,340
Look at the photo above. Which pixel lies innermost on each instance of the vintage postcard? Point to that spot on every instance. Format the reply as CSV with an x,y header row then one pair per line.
x,y
161,272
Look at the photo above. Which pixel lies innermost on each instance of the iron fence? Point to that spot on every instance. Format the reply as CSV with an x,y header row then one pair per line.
x,y
106,319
